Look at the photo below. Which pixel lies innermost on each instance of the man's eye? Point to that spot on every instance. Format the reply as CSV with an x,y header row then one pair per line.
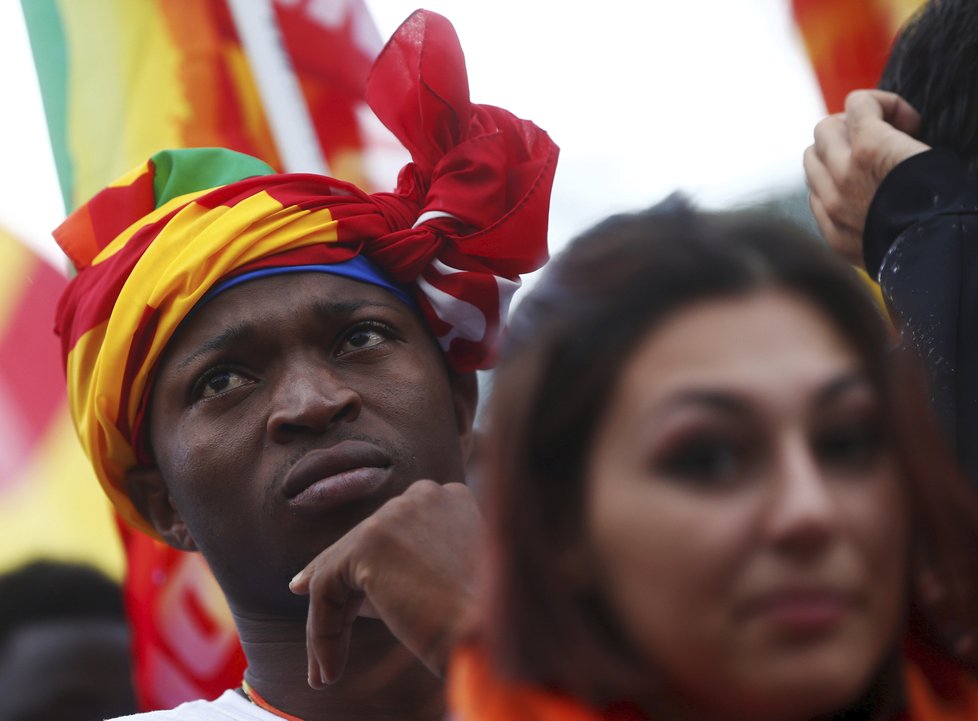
x,y
362,338
220,381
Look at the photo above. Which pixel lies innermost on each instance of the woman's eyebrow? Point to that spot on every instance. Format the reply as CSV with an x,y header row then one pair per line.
x,y
852,380
713,399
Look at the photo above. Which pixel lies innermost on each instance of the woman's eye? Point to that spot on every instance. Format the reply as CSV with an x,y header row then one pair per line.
x,y
220,381
705,461
362,338
849,445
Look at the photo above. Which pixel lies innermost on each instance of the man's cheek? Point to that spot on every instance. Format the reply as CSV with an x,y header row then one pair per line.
x,y
203,460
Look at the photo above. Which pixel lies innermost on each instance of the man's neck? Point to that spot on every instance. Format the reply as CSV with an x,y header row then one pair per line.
x,y
382,680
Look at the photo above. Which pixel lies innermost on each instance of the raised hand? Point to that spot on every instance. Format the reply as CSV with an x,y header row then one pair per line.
x,y
412,564
852,153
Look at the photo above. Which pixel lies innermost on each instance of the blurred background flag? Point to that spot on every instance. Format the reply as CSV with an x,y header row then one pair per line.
x,y
47,504
848,41
122,79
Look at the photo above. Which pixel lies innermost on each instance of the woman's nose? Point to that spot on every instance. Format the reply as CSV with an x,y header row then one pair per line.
x,y
802,513
309,399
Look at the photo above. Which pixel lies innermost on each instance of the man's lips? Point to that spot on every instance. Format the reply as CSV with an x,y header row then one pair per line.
x,y
347,471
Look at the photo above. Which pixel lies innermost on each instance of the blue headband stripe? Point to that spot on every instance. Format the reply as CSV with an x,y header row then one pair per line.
x,y
356,268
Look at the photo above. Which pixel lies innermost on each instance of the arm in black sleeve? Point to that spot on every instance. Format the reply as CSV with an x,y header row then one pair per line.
x,y
921,243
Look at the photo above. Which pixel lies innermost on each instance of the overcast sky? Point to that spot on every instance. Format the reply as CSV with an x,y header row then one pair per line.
x,y
713,97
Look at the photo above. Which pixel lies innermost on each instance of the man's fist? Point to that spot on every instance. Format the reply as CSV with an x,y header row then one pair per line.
x,y
853,152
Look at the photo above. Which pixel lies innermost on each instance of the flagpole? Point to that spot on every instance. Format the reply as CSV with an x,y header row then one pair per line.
x,y
285,106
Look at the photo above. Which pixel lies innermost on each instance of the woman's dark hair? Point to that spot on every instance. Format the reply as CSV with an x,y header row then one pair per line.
x,y
934,65
568,341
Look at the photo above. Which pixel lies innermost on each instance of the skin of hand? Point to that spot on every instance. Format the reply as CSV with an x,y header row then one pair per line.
x,y
852,153
413,564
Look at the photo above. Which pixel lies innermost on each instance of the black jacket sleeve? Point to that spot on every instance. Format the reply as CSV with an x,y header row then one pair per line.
x,y
921,243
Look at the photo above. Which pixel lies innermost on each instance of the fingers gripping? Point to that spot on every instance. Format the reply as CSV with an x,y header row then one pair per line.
x,y
832,145
852,153
827,166
334,604
866,108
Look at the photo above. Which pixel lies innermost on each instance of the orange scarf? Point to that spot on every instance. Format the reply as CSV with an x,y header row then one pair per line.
x,y
937,689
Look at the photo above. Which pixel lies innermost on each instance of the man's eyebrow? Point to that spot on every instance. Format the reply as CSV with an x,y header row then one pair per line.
x,y
245,331
331,309
230,336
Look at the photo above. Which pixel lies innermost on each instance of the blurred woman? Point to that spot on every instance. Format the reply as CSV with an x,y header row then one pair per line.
x,y
715,492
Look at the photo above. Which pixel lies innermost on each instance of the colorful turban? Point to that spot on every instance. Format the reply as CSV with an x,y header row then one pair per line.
x,y
468,216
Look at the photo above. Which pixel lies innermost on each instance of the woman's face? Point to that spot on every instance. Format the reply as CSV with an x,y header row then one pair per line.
x,y
745,515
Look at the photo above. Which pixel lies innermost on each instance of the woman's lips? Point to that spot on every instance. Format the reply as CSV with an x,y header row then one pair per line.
x,y
331,477
803,611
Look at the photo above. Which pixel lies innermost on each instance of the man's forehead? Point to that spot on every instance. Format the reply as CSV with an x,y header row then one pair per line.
x,y
263,305
324,294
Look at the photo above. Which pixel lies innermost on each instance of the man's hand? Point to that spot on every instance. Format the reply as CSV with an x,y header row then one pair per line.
x,y
413,564
853,152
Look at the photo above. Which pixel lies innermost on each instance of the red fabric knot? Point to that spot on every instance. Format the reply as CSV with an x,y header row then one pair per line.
x,y
479,163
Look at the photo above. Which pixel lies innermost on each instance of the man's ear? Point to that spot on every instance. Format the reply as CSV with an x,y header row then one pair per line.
x,y
465,398
148,492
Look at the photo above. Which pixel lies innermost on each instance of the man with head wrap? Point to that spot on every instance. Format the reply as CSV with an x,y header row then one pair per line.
x,y
277,370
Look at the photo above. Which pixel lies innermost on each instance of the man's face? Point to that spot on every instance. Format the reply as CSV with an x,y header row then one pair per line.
x,y
288,409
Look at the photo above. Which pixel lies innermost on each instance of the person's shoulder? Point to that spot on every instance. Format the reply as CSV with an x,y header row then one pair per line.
x,y
229,706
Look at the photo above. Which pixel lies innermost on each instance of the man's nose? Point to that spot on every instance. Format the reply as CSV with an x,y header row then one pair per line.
x,y
802,516
308,399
